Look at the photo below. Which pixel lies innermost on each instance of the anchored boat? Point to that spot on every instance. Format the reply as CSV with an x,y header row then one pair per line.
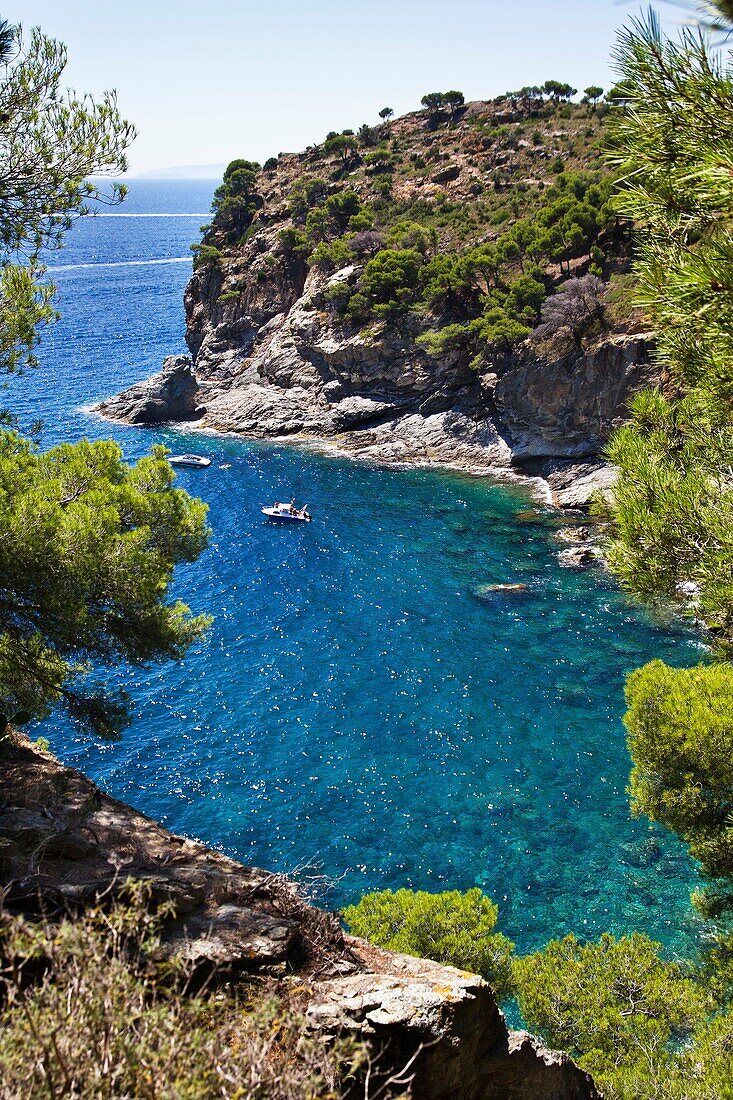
x,y
287,513
188,460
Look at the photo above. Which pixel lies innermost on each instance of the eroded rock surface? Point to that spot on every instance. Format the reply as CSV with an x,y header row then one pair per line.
x,y
64,844
173,394
304,374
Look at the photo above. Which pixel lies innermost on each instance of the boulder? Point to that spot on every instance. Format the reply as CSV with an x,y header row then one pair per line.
x,y
574,535
488,591
171,395
578,557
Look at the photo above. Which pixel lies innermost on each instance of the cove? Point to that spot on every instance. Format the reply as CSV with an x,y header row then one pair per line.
x,y
357,702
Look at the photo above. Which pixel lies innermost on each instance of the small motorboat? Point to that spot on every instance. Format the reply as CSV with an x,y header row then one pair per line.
x,y
287,513
189,460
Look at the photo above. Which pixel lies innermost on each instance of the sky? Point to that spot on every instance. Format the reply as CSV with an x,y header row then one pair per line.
x,y
205,83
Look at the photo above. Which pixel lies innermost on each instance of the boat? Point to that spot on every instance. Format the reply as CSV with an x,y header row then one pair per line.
x,y
287,513
189,460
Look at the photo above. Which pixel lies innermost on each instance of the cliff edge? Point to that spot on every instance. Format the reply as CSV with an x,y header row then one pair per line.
x,y
64,844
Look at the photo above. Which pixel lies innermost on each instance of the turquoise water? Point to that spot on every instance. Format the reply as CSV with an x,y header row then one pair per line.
x,y
355,702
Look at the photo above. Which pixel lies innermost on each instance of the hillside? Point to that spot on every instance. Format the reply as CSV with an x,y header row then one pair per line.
x,y
446,287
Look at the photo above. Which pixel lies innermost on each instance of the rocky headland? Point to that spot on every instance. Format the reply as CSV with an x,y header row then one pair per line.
x,y
279,349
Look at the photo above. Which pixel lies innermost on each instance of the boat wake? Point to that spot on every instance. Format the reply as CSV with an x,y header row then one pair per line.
x,y
121,263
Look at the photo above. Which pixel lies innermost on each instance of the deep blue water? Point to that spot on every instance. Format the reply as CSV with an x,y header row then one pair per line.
x,y
355,703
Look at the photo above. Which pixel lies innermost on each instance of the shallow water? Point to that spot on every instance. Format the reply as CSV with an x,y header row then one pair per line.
x,y
356,702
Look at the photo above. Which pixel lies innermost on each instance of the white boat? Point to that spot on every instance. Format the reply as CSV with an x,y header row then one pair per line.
x,y
287,513
188,460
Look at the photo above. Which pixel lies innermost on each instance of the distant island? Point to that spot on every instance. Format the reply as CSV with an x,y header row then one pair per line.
x,y
184,172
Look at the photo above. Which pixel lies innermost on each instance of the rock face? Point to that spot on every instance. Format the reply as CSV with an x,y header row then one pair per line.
x,y
567,407
275,364
170,395
467,1050
63,844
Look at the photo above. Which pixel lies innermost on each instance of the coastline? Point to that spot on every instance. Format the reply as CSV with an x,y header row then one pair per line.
x,y
539,486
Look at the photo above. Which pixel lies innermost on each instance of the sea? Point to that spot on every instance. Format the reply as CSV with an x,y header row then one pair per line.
x,y
361,711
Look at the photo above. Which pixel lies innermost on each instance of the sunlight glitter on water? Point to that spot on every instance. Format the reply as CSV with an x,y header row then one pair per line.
x,y
359,699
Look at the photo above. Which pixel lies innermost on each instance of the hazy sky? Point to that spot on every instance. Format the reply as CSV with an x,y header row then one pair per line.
x,y
207,82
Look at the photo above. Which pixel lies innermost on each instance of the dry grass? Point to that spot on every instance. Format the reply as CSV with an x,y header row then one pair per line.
x,y
88,1011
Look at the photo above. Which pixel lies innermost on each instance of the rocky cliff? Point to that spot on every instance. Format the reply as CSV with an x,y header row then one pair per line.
x,y
64,844
276,349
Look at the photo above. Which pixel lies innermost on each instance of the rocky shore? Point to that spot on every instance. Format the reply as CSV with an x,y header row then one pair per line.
x,y
64,845
300,375
276,354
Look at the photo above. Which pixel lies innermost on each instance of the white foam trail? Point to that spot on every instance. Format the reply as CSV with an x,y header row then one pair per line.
x,y
128,215
121,263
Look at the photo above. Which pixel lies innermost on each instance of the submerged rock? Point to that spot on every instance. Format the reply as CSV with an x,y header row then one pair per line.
x,y
574,535
489,591
578,557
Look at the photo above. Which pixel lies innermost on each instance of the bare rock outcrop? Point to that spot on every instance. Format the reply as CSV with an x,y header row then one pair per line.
x,y
173,394
567,407
64,844
303,373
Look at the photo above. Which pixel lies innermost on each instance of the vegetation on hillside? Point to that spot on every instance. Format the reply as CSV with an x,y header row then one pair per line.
x,y
454,225
89,1009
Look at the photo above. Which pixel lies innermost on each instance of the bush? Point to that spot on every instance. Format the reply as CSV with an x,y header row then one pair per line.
x,y
451,927
205,255
446,340
680,730
332,255
388,284
236,201
615,1005
294,243
103,1019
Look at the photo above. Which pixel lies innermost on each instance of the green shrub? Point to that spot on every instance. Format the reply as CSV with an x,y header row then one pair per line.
x,y
451,927
332,255
205,255
294,243
388,284
445,340
236,200
680,730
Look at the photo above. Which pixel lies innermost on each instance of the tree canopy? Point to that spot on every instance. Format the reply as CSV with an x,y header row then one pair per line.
x,y
617,1007
87,550
52,142
672,512
87,543
450,927
235,201
680,724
